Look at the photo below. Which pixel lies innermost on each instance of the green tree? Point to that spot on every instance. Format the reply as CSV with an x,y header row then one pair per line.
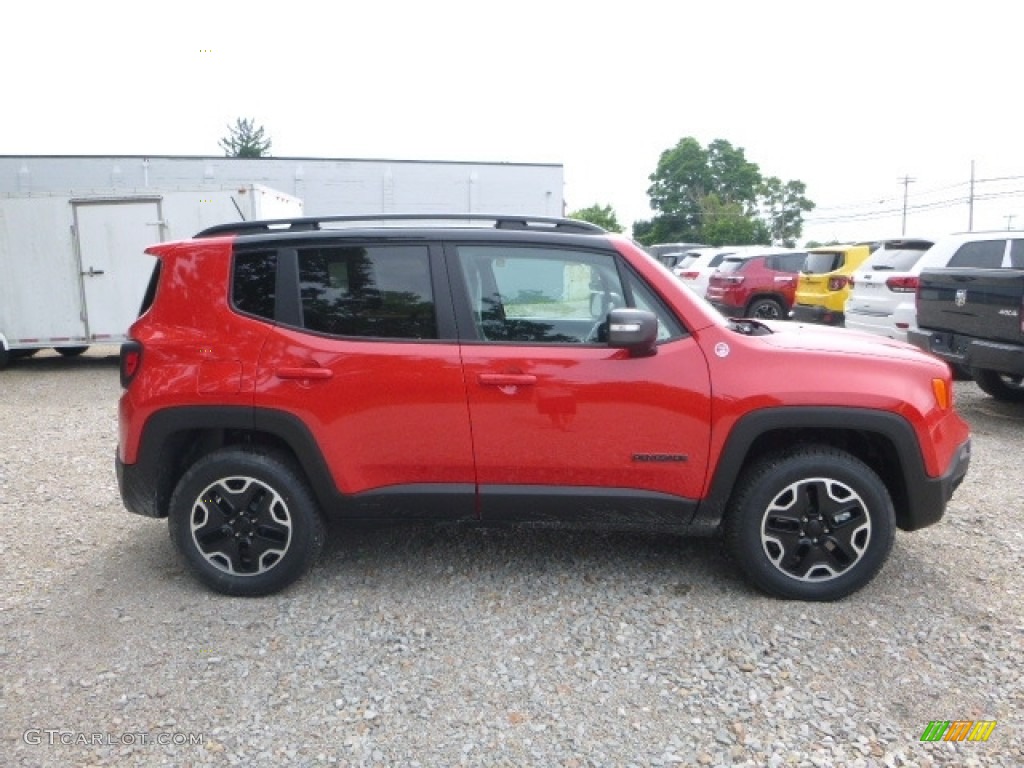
x,y
245,139
782,208
715,195
729,224
602,215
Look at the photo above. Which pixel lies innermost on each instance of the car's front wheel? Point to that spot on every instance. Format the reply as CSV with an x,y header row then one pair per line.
x,y
814,524
245,522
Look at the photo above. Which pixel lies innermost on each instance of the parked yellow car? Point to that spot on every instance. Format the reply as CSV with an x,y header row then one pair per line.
x,y
824,283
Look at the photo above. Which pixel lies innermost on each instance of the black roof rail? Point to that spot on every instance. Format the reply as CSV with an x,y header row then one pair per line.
x,y
315,223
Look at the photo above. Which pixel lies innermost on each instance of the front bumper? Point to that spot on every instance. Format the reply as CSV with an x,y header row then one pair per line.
x,y
927,502
813,313
971,352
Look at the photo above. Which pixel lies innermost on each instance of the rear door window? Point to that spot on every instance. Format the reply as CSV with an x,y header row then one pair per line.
x,y
370,291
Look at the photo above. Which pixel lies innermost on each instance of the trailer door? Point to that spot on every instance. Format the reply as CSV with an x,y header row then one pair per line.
x,y
111,237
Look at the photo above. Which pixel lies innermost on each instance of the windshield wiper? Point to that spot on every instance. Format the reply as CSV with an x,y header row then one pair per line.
x,y
748,326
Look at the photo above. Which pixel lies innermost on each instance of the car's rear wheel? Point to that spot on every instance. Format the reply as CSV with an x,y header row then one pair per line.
x,y
814,524
245,522
1001,386
765,309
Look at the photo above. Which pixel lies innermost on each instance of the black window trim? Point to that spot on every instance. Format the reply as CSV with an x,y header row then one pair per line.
x,y
468,333
288,294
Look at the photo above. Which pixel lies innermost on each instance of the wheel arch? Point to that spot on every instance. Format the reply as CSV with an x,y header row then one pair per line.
x,y
884,441
175,438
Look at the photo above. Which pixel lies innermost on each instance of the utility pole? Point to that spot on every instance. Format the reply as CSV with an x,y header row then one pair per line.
x,y
906,184
970,202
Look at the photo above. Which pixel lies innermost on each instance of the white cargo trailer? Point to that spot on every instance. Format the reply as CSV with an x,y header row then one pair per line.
x,y
72,268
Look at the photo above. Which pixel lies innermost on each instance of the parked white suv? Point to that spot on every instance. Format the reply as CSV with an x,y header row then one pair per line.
x,y
963,249
697,266
881,284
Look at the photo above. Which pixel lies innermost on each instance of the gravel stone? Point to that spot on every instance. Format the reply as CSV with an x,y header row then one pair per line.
x,y
437,646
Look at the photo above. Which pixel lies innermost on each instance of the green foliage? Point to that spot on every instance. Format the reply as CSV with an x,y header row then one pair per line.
x,y
245,139
729,224
715,195
782,209
602,215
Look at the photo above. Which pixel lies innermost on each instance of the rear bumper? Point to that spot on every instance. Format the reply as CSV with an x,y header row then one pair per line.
x,y
813,313
971,352
137,485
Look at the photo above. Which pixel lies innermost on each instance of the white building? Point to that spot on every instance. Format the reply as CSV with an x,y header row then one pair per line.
x,y
326,186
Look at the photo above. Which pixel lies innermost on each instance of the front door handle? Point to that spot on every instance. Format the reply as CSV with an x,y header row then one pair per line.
x,y
303,373
507,379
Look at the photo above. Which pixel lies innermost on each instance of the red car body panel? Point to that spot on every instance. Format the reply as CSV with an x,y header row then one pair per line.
x,y
387,413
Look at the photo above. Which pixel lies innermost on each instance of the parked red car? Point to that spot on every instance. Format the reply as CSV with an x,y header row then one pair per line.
x,y
756,283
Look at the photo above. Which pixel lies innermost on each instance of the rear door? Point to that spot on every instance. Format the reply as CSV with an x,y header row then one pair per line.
x,y
564,426
365,356
111,238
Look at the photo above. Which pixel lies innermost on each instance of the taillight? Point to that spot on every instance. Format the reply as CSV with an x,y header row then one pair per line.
x,y
131,361
902,284
689,275
838,283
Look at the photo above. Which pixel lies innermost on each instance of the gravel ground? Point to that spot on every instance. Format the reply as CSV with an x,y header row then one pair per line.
x,y
415,646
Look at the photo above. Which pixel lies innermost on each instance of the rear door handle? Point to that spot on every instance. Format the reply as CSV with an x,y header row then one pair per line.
x,y
303,373
507,379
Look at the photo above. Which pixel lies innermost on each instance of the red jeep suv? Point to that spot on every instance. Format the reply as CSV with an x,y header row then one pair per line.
x,y
756,283
504,369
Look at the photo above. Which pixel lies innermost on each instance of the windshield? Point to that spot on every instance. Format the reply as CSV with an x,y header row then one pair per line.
x,y
732,264
688,260
823,261
895,259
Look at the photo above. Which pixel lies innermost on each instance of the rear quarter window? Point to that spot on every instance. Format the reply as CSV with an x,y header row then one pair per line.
x,y
252,283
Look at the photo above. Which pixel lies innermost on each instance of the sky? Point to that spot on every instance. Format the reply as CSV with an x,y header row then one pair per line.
x,y
849,98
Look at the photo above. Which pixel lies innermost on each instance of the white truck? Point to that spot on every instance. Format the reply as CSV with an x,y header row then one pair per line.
x,y
72,268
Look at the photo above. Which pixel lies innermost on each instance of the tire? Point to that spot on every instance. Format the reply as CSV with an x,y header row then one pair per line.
x,y
5,357
70,351
766,309
257,553
812,524
1001,386
21,354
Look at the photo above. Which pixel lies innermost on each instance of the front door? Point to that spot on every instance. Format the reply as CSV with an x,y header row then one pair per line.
x,y
564,426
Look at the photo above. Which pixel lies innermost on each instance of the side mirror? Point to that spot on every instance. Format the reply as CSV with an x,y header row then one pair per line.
x,y
633,329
